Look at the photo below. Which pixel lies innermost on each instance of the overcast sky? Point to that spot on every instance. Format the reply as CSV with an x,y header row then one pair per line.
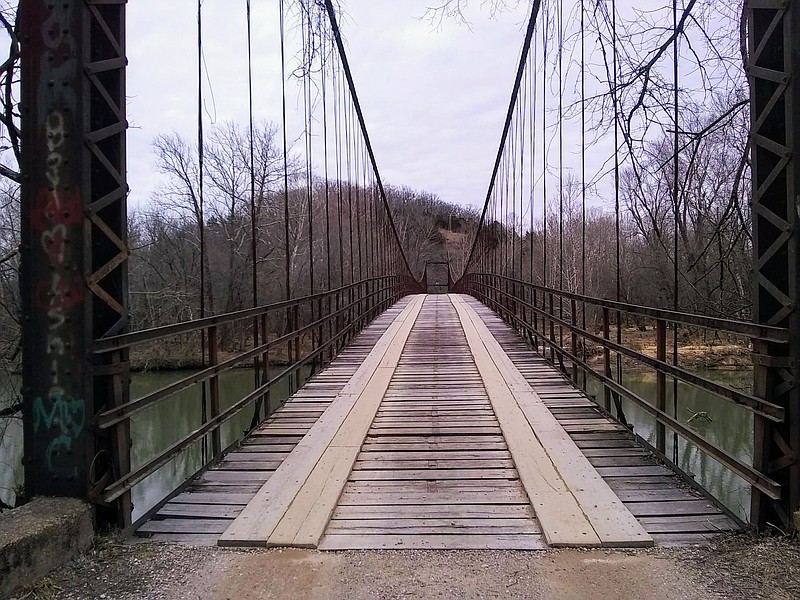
x,y
434,98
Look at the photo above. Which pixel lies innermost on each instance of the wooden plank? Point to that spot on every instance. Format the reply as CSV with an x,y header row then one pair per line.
x,y
449,511
433,542
688,524
196,526
653,495
432,474
212,498
200,511
379,455
433,463
433,526
561,518
683,507
450,497
521,525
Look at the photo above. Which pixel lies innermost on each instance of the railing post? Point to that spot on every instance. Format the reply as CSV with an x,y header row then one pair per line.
x,y
661,383
606,360
296,326
552,326
574,310
320,335
535,304
121,441
213,359
584,325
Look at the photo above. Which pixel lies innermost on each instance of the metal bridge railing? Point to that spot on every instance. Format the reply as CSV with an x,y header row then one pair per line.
x,y
316,328
536,313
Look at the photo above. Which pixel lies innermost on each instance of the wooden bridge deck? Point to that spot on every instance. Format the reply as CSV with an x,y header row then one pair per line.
x,y
439,428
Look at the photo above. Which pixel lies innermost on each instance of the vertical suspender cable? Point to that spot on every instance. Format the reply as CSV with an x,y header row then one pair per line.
x,y
308,53
523,111
544,152
534,92
328,250
615,99
675,199
288,260
348,157
307,111
287,264
329,282
338,135
253,216
200,152
200,201
561,169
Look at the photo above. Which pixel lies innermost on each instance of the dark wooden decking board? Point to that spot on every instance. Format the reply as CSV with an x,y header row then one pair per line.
x,y
673,513
434,470
201,514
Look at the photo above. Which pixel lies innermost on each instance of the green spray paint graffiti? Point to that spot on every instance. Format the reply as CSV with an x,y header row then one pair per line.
x,y
64,416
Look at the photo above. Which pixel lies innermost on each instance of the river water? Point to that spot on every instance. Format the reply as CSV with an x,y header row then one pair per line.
x,y
730,427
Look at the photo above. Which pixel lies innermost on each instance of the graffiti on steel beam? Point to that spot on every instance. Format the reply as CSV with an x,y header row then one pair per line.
x,y
57,220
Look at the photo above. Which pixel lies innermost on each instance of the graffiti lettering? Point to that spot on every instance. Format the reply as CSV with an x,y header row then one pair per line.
x,y
49,203
57,214
65,415
55,295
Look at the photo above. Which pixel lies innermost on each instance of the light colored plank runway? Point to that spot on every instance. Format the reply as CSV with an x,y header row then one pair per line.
x,y
435,471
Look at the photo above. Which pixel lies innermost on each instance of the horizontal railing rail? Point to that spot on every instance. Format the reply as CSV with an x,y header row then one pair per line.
x,y
128,340
531,309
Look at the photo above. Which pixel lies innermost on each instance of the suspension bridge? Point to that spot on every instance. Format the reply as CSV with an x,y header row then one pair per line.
x,y
453,410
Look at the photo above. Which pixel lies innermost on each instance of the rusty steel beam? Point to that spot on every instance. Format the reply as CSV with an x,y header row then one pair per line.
x,y
773,61
74,243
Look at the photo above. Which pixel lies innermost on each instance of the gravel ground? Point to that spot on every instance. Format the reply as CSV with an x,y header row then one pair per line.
x,y
737,567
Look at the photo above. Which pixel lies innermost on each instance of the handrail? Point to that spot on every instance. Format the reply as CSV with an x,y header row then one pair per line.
x,y
127,340
127,410
757,405
508,304
754,330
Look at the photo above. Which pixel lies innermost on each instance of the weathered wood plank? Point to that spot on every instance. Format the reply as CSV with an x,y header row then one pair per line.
x,y
433,542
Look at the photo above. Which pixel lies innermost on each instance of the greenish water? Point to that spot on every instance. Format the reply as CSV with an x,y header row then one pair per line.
x,y
166,422
730,428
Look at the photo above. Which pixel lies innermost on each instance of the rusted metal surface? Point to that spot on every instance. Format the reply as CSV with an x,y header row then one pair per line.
x,y
773,60
74,230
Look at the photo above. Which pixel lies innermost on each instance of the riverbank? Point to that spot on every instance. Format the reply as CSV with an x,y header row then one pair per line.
x,y
735,567
695,352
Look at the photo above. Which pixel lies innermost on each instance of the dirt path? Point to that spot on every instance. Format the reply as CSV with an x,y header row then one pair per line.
x,y
564,575
734,568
